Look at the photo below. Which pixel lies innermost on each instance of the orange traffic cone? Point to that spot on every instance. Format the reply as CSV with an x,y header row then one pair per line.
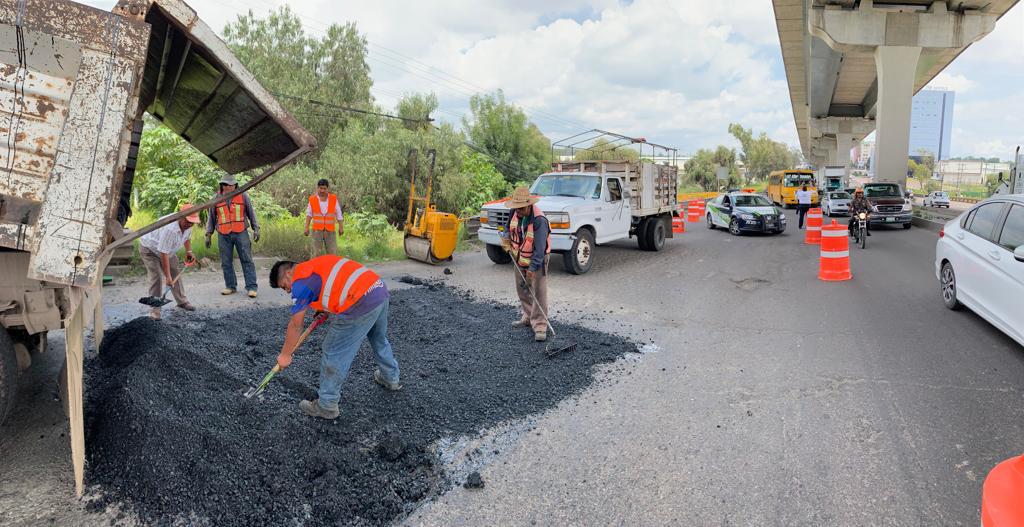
x,y
813,235
835,253
1001,505
694,211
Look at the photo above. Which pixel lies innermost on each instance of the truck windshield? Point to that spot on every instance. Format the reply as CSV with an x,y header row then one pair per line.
x,y
752,201
797,179
882,191
570,185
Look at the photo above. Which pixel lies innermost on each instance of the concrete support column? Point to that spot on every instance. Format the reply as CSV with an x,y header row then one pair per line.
x,y
896,66
844,143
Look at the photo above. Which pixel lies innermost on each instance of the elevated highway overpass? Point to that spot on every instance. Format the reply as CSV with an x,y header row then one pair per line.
x,y
853,66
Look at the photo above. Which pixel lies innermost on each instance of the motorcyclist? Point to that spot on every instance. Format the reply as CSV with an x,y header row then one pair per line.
x,y
858,205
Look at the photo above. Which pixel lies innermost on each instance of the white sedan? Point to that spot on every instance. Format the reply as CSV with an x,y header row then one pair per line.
x,y
979,261
936,199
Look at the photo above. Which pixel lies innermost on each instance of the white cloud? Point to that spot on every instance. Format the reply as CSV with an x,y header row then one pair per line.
x,y
951,81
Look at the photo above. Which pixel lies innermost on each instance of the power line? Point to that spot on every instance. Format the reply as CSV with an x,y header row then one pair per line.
x,y
348,109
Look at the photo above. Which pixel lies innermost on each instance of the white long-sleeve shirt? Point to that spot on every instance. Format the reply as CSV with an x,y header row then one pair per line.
x,y
323,206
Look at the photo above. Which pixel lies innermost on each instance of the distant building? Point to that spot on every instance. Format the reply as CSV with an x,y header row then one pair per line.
x,y
969,172
865,150
931,123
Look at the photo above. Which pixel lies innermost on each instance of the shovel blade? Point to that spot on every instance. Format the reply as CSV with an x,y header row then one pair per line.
x,y
154,301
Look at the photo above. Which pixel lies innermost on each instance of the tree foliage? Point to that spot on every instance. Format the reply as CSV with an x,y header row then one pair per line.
x,y
700,170
761,155
504,133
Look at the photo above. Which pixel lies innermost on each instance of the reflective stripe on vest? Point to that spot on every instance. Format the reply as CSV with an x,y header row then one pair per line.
x,y
344,281
231,215
324,220
522,245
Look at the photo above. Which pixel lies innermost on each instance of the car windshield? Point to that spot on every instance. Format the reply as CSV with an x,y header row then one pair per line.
x,y
571,185
839,195
882,191
796,179
751,200
941,195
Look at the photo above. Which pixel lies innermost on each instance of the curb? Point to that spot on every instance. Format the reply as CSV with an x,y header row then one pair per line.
x,y
928,224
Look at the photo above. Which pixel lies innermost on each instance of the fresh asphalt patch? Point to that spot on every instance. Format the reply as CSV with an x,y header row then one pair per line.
x,y
172,440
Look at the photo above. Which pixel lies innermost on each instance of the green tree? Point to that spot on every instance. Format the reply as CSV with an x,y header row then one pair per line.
x,y
286,61
486,182
603,149
761,155
503,131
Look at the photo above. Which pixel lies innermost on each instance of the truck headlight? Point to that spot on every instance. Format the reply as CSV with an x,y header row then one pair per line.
x,y
907,207
558,220
483,217
874,208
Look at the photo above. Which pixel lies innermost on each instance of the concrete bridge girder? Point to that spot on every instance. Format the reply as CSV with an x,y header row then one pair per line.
x,y
896,39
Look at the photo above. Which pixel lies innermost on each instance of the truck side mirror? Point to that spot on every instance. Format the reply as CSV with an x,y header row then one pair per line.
x,y
1019,253
626,193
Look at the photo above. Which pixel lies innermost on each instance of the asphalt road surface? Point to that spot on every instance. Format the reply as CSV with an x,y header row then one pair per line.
x,y
767,397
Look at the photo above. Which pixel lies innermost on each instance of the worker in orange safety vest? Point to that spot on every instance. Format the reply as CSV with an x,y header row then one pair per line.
x,y
324,215
231,219
529,244
359,301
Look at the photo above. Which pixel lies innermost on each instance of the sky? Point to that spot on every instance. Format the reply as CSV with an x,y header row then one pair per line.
x,y
675,72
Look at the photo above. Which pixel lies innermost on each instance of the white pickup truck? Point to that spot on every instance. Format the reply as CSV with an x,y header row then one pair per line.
x,y
589,203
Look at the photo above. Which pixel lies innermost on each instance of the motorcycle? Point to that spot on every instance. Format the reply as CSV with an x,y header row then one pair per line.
x,y
860,230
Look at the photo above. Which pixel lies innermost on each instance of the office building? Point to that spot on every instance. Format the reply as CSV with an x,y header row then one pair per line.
x,y
931,123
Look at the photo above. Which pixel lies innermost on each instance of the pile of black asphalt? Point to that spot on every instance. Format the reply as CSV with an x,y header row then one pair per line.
x,y
172,440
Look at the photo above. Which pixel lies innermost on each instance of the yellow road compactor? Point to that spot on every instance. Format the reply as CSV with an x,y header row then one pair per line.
x,y
430,236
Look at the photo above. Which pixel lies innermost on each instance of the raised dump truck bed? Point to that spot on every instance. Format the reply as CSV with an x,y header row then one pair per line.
x,y
75,83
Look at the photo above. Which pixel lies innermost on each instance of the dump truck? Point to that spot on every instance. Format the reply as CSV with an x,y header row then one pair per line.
x,y
75,84
594,202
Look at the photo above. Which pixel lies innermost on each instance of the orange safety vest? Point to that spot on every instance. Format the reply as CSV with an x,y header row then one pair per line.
x,y
231,216
324,220
343,282
522,245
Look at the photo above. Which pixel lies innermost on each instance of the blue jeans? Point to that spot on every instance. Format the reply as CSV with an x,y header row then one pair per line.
x,y
237,241
340,347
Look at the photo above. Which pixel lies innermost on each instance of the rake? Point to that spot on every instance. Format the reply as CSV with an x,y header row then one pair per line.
x,y
259,388
549,348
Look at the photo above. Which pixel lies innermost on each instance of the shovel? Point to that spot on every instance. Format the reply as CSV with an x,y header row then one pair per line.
x,y
162,300
259,388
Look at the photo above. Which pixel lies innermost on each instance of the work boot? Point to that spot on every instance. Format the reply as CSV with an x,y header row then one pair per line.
x,y
186,307
521,323
313,409
227,291
378,378
252,293
154,313
540,336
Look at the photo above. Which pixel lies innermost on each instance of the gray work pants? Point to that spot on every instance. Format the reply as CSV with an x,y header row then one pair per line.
x,y
532,310
324,242
155,275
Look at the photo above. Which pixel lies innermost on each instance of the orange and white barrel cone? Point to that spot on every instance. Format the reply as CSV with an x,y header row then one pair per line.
x,y
679,222
813,233
694,212
835,253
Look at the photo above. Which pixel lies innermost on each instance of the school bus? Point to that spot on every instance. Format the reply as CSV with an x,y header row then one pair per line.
x,y
783,184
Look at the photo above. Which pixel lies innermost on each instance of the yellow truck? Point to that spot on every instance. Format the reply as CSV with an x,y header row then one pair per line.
x,y
783,184
75,83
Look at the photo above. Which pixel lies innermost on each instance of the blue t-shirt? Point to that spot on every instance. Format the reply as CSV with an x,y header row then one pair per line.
x,y
307,290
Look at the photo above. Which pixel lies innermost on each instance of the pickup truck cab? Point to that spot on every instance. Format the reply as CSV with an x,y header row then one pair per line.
x,y
889,206
600,203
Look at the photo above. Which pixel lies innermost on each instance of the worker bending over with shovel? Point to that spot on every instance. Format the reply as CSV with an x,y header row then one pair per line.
x,y
529,243
158,250
359,301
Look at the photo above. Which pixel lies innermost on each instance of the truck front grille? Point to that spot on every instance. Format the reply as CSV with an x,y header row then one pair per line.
x,y
889,209
498,218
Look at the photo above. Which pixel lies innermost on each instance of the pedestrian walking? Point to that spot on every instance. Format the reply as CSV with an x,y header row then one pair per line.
x,y
529,243
359,302
324,215
232,220
158,250
803,204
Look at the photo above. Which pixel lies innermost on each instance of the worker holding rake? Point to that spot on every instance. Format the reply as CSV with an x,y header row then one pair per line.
x,y
358,300
529,243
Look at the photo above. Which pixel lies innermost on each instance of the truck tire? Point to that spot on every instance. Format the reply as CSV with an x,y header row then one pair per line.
x,y
498,255
655,234
8,374
907,225
641,234
580,258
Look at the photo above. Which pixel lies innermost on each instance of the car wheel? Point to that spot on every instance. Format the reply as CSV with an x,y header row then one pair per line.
x,y
580,258
641,234
734,227
498,255
8,374
711,224
947,279
655,234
